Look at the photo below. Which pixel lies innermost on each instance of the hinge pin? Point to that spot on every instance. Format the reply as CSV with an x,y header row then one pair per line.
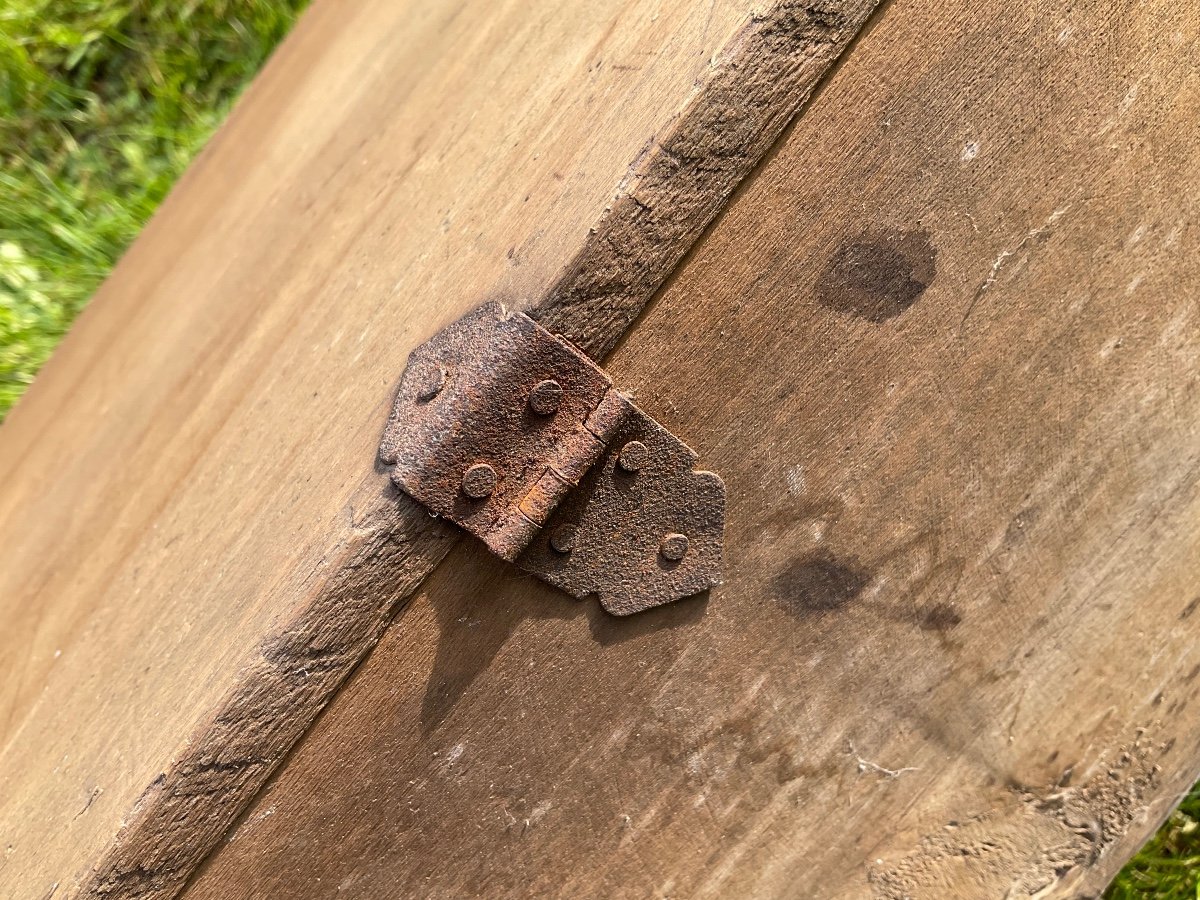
x,y
479,481
431,381
674,547
563,539
634,456
545,397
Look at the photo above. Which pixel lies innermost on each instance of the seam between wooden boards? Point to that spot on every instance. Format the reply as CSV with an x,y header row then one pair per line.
x,y
683,179
674,190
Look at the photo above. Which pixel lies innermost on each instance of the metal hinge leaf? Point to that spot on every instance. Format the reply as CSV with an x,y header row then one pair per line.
x,y
515,435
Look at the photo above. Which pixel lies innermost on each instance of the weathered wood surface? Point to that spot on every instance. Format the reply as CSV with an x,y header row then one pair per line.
x,y
196,551
944,349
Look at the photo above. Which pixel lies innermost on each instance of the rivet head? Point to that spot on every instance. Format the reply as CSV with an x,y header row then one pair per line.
x,y
674,547
431,378
634,456
563,538
545,397
479,481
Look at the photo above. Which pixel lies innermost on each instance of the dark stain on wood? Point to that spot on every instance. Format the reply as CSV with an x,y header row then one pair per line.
x,y
819,583
940,617
879,274
1189,609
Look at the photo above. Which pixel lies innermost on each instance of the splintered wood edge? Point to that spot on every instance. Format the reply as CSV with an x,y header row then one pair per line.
x,y
675,189
684,178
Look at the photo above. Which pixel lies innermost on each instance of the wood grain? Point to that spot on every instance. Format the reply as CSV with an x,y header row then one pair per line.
x,y
685,176
943,348
196,552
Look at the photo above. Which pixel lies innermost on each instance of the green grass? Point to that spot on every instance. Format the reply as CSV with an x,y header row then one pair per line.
x,y
1167,868
102,105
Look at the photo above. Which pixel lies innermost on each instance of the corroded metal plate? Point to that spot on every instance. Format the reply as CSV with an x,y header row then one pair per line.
x,y
519,438
640,538
464,402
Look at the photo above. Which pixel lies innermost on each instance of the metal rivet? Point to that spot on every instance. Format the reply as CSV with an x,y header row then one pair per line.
x,y
634,456
563,538
545,397
430,381
674,547
479,481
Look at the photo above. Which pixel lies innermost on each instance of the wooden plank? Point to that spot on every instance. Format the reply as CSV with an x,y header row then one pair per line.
x,y
190,482
943,348
241,310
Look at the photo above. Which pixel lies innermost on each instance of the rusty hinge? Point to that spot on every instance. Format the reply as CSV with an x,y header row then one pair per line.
x,y
514,434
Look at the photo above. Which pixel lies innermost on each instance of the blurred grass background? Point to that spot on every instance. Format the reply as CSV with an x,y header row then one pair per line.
x,y
1167,868
102,105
